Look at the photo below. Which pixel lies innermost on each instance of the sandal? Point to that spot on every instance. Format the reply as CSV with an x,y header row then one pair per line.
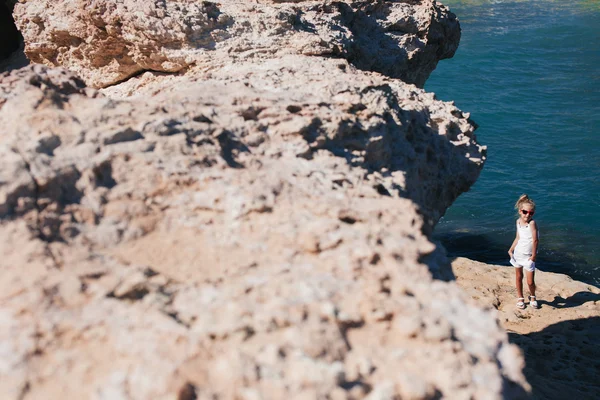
x,y
521,303
533,303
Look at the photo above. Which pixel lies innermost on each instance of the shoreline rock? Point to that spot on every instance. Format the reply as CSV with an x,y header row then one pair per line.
x,y
559,340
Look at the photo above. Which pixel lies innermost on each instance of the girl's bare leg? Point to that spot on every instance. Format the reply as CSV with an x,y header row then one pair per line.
x,y
531,282
519,281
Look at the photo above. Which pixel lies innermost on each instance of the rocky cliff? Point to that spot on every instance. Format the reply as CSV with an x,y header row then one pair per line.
x,y
242,212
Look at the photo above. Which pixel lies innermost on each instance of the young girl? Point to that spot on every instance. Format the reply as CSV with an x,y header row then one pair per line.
x,y
524,249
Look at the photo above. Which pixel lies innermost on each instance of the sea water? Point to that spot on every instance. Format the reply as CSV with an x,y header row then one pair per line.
x,y
529,73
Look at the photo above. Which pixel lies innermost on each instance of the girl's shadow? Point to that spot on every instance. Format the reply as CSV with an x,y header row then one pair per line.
x,y
575,300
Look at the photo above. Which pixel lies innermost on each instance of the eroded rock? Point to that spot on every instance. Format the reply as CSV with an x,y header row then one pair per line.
x,y
254,228
258,234
106,42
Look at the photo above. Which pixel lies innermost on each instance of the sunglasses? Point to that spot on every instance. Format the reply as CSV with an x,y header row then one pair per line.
x,y
525,212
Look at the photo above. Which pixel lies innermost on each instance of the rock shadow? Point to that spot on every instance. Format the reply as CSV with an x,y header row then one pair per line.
x,y
406,140
203,36
479,247
231,146
12,55
373,48
563,360
402,140
11,38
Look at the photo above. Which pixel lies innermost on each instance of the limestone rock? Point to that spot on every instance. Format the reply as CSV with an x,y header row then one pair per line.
x,y
559,340
239,234
106,42
253,227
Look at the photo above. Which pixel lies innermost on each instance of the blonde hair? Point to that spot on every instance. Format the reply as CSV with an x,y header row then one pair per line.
x,y
524,199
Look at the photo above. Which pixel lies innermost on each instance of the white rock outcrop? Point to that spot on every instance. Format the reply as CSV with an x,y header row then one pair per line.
x,y
107,41
255,228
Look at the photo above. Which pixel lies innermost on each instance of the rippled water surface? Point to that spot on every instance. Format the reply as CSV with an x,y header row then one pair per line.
x,y
529,74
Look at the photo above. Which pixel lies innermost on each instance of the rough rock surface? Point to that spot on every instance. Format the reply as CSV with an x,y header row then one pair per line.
x,y
255,228
560,340
238,237
107,41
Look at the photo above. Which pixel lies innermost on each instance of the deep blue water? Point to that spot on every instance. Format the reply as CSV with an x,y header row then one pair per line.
x,y
529,74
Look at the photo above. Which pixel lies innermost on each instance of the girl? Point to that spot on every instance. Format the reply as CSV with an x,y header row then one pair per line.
x,y
524,249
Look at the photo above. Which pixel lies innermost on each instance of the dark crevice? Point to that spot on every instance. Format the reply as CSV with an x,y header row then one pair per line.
x,y
140,72
188,392
382,190
103,175
173,315
134,294
349,385
24,391
348,220
231,146
11,37
345,326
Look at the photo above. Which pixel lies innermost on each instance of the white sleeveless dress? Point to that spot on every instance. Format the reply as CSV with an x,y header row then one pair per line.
x,y
524,248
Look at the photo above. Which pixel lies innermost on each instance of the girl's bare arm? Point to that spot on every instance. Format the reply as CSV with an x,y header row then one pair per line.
x,y
512,247
534,234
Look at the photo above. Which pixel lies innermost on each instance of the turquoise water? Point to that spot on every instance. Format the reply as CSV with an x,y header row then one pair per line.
x,y
529,74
